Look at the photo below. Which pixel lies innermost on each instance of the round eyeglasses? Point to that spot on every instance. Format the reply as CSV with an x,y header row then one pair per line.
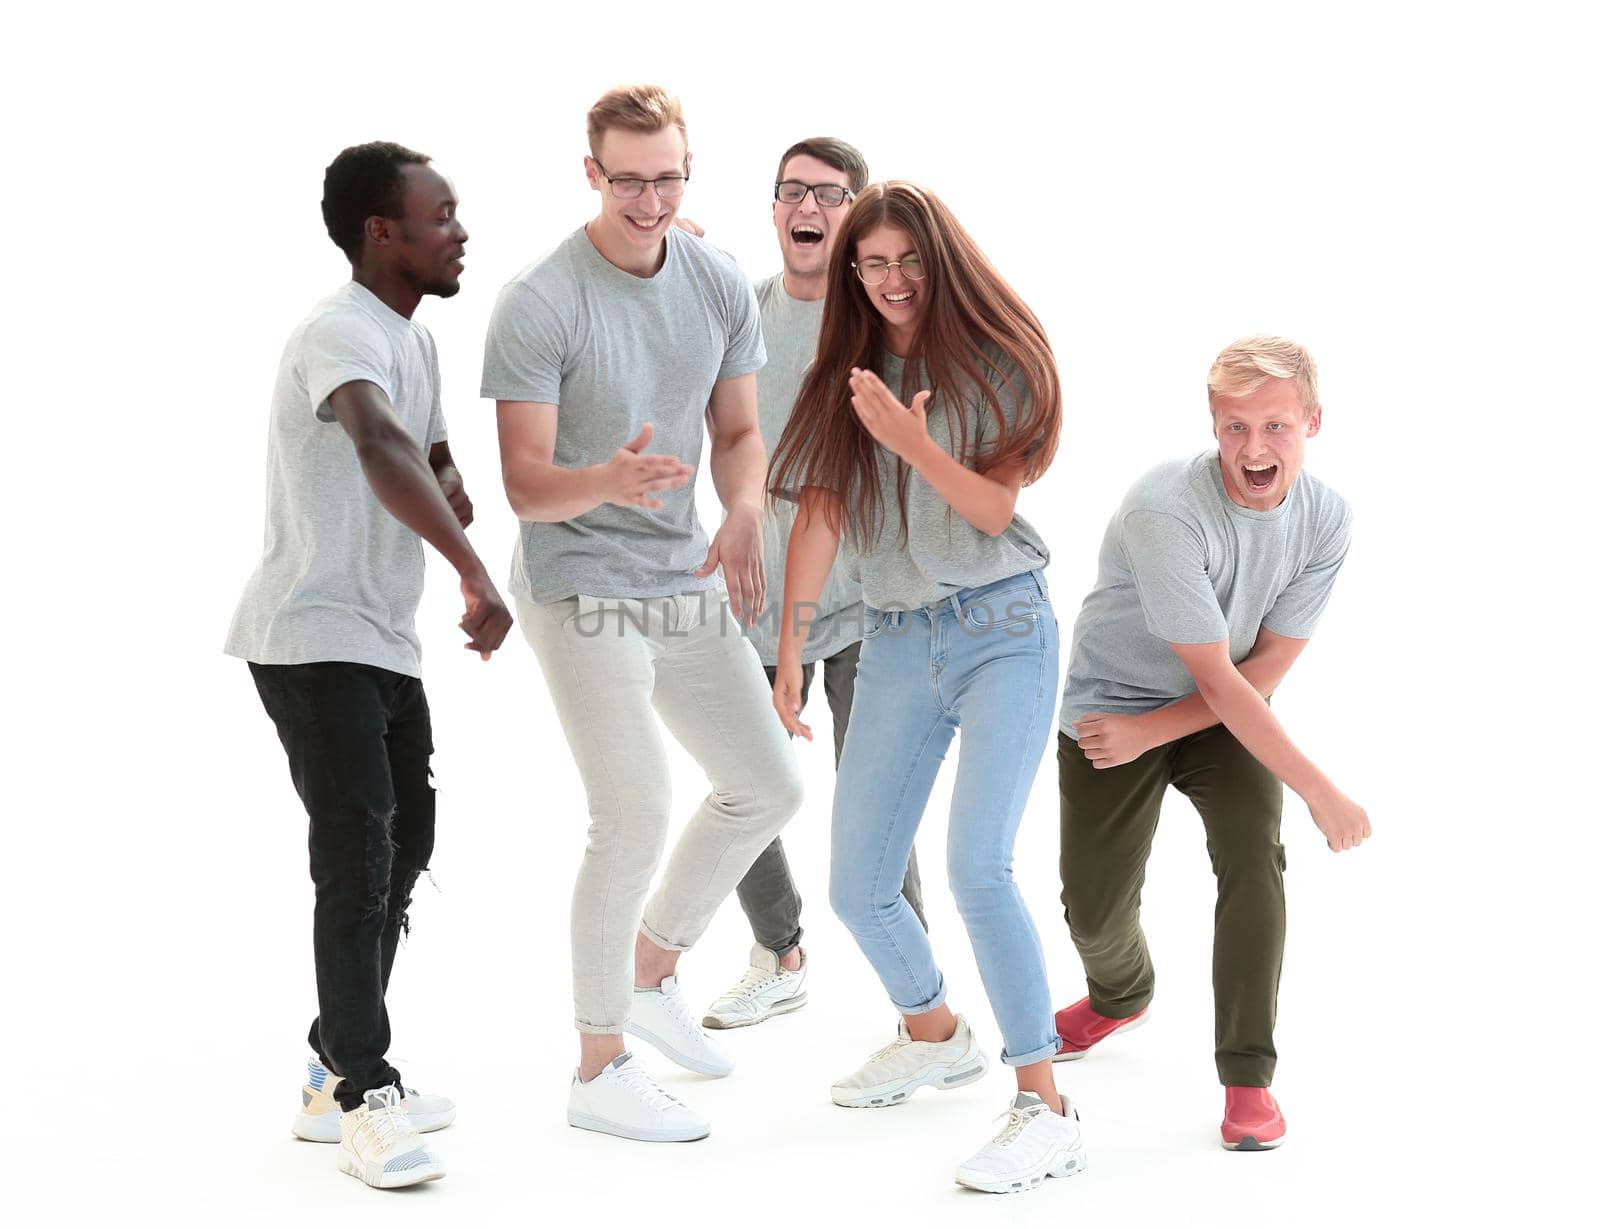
x,y
627,187
827,195
875,272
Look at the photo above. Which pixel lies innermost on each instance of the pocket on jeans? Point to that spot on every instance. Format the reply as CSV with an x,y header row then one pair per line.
x,y
1013,612
873,622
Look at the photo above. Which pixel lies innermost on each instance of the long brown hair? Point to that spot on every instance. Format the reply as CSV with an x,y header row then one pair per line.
x,y
975,332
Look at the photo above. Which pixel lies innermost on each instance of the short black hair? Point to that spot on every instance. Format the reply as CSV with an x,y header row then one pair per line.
x,y
365,181
840,155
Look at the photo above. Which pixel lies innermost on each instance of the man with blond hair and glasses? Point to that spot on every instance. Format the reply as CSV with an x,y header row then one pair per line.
x,y
604,359
1213,573
818,179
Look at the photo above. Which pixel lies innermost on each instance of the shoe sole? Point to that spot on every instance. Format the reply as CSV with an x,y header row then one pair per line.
x,y
324,1128
943,1077
1065,1164
1251,1144
687,1062
363,1170
1072,1056
780,1008
649,1135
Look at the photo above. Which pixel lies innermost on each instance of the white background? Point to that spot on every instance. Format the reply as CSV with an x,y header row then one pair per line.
x,y
1403,187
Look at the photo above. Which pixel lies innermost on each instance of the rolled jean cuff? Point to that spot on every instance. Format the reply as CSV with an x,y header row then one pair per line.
x,y
597,1030
1033,1056
651,933
936,1001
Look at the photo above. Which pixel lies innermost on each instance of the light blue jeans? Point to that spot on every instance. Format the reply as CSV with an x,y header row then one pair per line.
x,y
985,661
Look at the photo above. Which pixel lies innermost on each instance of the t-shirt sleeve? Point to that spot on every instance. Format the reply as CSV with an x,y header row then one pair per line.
x,y
338,349
436,429
1300,605
746,351
526,348
1167,557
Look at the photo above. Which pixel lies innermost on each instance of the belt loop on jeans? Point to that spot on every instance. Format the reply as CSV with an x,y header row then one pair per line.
x,y
955,604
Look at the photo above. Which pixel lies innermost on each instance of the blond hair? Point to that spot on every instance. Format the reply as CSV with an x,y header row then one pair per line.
x,y
1250,362
637,108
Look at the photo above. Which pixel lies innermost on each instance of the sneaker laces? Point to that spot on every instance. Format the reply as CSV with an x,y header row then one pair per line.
x,y
388,1123
678,1008
754,981
637,1081
1016,1121
898,1044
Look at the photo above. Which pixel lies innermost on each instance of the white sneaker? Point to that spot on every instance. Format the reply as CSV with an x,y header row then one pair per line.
x,y
903,1066
1036,1143
767,989
378,1144
623,1100
662,1017
318,1119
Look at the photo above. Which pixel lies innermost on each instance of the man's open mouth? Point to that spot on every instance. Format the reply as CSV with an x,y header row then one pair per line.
x,y
1260,477
805,236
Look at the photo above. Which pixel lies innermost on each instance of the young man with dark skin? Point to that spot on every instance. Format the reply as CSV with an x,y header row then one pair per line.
x,y
358,471
818,179
609,360
1213,573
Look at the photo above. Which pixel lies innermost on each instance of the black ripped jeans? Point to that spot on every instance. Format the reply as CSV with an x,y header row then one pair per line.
x,y
358,740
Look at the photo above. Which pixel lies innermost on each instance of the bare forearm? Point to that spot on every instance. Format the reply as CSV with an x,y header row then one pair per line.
x,y
982,502
407,487
812,549
1192,714
739,470
541,491
1243,710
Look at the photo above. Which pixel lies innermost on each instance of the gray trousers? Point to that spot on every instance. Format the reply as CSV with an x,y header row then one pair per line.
x,y
767,893
613,666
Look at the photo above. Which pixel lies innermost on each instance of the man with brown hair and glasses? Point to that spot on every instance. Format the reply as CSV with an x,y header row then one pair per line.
x,y
604,359
818,179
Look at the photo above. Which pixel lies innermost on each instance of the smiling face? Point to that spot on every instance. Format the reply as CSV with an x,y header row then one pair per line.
x,y
639,225
1262,441
900,300
806,231
432,242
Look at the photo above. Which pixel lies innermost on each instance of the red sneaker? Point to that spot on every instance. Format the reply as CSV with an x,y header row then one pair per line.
x,y
1252,1121
1082,1028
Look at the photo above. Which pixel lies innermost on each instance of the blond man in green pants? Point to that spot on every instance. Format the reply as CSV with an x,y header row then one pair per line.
x,y
1212,575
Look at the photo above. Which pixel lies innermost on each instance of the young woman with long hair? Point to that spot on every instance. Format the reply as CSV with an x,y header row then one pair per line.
x,y
933,400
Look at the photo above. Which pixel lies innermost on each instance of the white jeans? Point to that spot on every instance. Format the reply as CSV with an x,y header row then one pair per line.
x,y
607,661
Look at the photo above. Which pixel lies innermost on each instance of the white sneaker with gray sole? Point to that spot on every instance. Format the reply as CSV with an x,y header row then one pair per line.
x,y
767,989
903,1066
1036,1143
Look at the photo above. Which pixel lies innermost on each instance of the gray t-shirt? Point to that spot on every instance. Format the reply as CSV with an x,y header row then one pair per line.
x,y
790,327
1183,564
339,577
613,351
943,553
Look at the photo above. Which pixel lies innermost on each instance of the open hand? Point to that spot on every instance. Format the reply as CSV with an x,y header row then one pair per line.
x,y
632,476
901,430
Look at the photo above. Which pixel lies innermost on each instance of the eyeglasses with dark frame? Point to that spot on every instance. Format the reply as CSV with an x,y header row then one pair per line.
x,y
627,187
874,272
827,195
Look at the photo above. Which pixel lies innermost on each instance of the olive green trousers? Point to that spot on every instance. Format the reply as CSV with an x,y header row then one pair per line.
x,y
1108,820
